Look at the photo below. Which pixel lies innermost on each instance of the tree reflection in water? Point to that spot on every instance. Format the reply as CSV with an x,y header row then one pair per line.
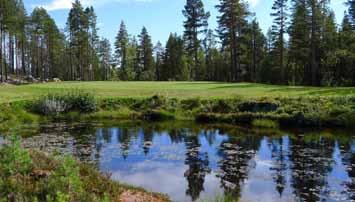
x,y
198,167
311,163
348,158
279,152
235,163
302,167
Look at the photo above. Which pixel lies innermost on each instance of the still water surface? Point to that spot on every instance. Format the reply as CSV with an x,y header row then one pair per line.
x,y
191,163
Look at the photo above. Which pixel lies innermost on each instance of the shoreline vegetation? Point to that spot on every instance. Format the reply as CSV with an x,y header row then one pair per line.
x,y
29,175
315,111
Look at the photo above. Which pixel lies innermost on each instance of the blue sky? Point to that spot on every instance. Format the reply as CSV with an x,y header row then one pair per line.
x,y
159,16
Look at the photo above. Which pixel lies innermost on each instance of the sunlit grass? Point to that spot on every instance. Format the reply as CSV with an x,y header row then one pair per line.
x,y
10,93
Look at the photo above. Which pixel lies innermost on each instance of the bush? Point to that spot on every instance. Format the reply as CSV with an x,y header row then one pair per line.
x,y
65,181
190,104
56,104
157,115
155,102
223,106
15,166
259,106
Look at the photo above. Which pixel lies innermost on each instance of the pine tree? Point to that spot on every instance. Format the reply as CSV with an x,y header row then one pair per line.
x,y
159,60
315,24
299,46
351,12
328,48
345,54
279,28
231,22
132,61
175,63
121,45
93,42
78,26
104,53
257,50
145,66
195,24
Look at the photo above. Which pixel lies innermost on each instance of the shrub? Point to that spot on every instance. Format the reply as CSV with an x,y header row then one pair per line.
x,y
223,106
14,159
56,104
66,179
15,165
258,106
190,104
81,102
157,115
155,102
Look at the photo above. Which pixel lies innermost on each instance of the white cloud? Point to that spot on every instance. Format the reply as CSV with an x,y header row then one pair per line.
x,y
67,4
253,3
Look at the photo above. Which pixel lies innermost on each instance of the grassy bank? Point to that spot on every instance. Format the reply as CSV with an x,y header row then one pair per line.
x,y
181,90
34,176
304,111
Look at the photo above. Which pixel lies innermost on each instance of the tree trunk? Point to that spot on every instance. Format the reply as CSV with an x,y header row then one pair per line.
x,y
23,63
314,63
1,58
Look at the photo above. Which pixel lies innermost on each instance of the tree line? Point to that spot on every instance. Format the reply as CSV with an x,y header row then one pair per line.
x,y
304,46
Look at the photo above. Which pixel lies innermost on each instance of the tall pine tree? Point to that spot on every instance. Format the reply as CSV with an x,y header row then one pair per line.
x,y
279,29
145,66
231,22
121,46
195,24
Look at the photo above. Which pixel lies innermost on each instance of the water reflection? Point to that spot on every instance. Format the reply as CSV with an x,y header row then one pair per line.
x,y
192,163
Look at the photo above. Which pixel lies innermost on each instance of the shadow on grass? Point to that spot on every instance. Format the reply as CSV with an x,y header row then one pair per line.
x,y
242,85
316,91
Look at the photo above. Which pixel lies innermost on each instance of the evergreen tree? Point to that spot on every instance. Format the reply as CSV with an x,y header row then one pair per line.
x,y
145,66
315,25
278,31
299,46
93,42
159,60
351,12
345,54
328,48
105,58
196,23
175,63
46,45
121,45
131,59
257,50
231,22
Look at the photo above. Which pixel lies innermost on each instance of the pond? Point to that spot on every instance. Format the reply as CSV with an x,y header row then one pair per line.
x,y
189,162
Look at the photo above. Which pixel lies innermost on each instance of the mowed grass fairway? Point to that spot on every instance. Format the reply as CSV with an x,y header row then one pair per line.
x,y
9,93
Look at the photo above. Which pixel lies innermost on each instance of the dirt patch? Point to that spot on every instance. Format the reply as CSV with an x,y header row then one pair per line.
x,y
137,196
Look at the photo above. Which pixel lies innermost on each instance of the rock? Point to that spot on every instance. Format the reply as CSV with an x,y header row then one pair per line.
x,y
57,80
